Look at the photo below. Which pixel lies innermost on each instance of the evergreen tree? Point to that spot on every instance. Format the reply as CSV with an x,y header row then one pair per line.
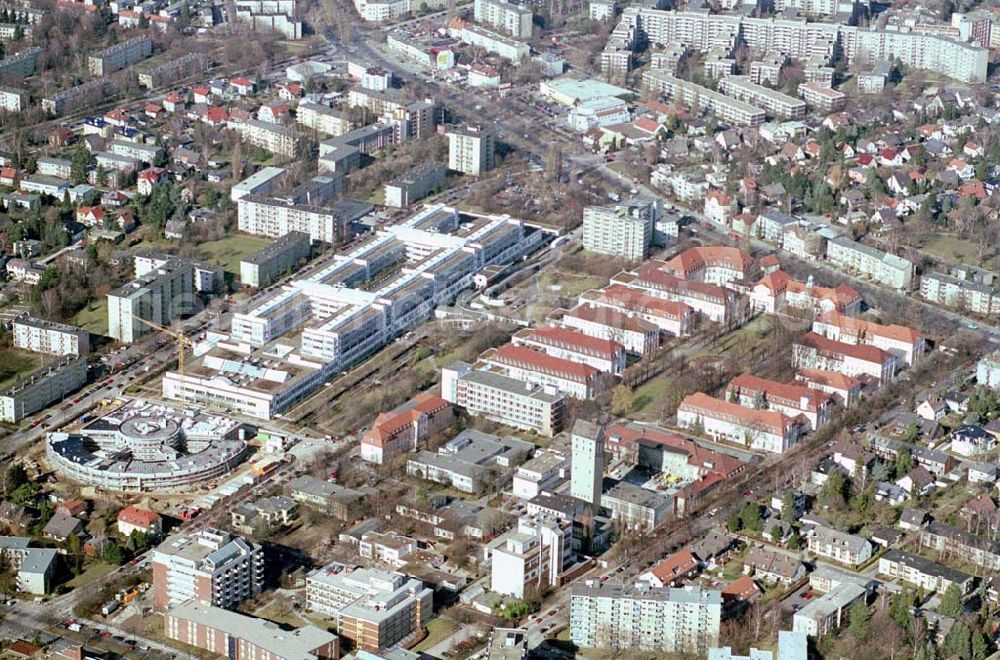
x,y
951,602
859,617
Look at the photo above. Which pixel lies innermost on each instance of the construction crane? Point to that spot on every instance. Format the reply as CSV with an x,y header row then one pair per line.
x,y
183,343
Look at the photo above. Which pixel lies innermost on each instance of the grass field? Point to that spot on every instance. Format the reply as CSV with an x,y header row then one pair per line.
x,y
94,317
15,363
648,397
952,248
228,251
95,572
437,630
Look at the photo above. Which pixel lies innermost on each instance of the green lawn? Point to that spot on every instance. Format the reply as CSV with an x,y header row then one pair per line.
x,y
437,630
378,197
649,396
94,572
15,363
94,317
229,251
952,248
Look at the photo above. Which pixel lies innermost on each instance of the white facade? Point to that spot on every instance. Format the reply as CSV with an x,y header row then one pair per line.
x,y
41,336
470,150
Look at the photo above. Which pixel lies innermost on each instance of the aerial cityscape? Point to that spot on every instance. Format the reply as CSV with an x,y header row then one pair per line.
x,y
499,329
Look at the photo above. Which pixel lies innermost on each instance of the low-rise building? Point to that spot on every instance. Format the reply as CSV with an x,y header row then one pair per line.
x,y
405,428
133,519
856,258
839,546
466,461
763,430
344,504
924,573
905,343
813,351
535,553
606,355
242,637
636,508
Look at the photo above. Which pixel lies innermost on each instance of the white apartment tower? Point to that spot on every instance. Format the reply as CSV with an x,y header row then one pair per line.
x,y
587,470
470,150
621,230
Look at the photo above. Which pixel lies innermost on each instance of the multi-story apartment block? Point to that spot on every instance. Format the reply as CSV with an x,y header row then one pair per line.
x,y
493,42
20,65
381,11
74,98
788,398
470,150
763,430
822,97
503,399
961,545
270,16
322,118
511,18
641,618
170,72
801,39
882,267
117,57
13,99
725,107
277,139
42,336
905,343
813,351
923,573
159,296
270,262
960,293
839,546
533,555
42,387
605,355
274,217
772,101
374,609
416,183
623,230
209,566
146,153
988,370
241,637
57,167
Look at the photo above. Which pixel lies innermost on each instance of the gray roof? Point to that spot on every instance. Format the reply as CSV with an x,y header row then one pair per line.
x,y
297,644
61,526
37,560
926,566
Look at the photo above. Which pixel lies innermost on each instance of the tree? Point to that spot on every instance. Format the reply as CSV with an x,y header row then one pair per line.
x,y
751,518
788,506
904,462
951,602
113,553
622,399
859,616
836,488
776,533
900,609
734,524
958,642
